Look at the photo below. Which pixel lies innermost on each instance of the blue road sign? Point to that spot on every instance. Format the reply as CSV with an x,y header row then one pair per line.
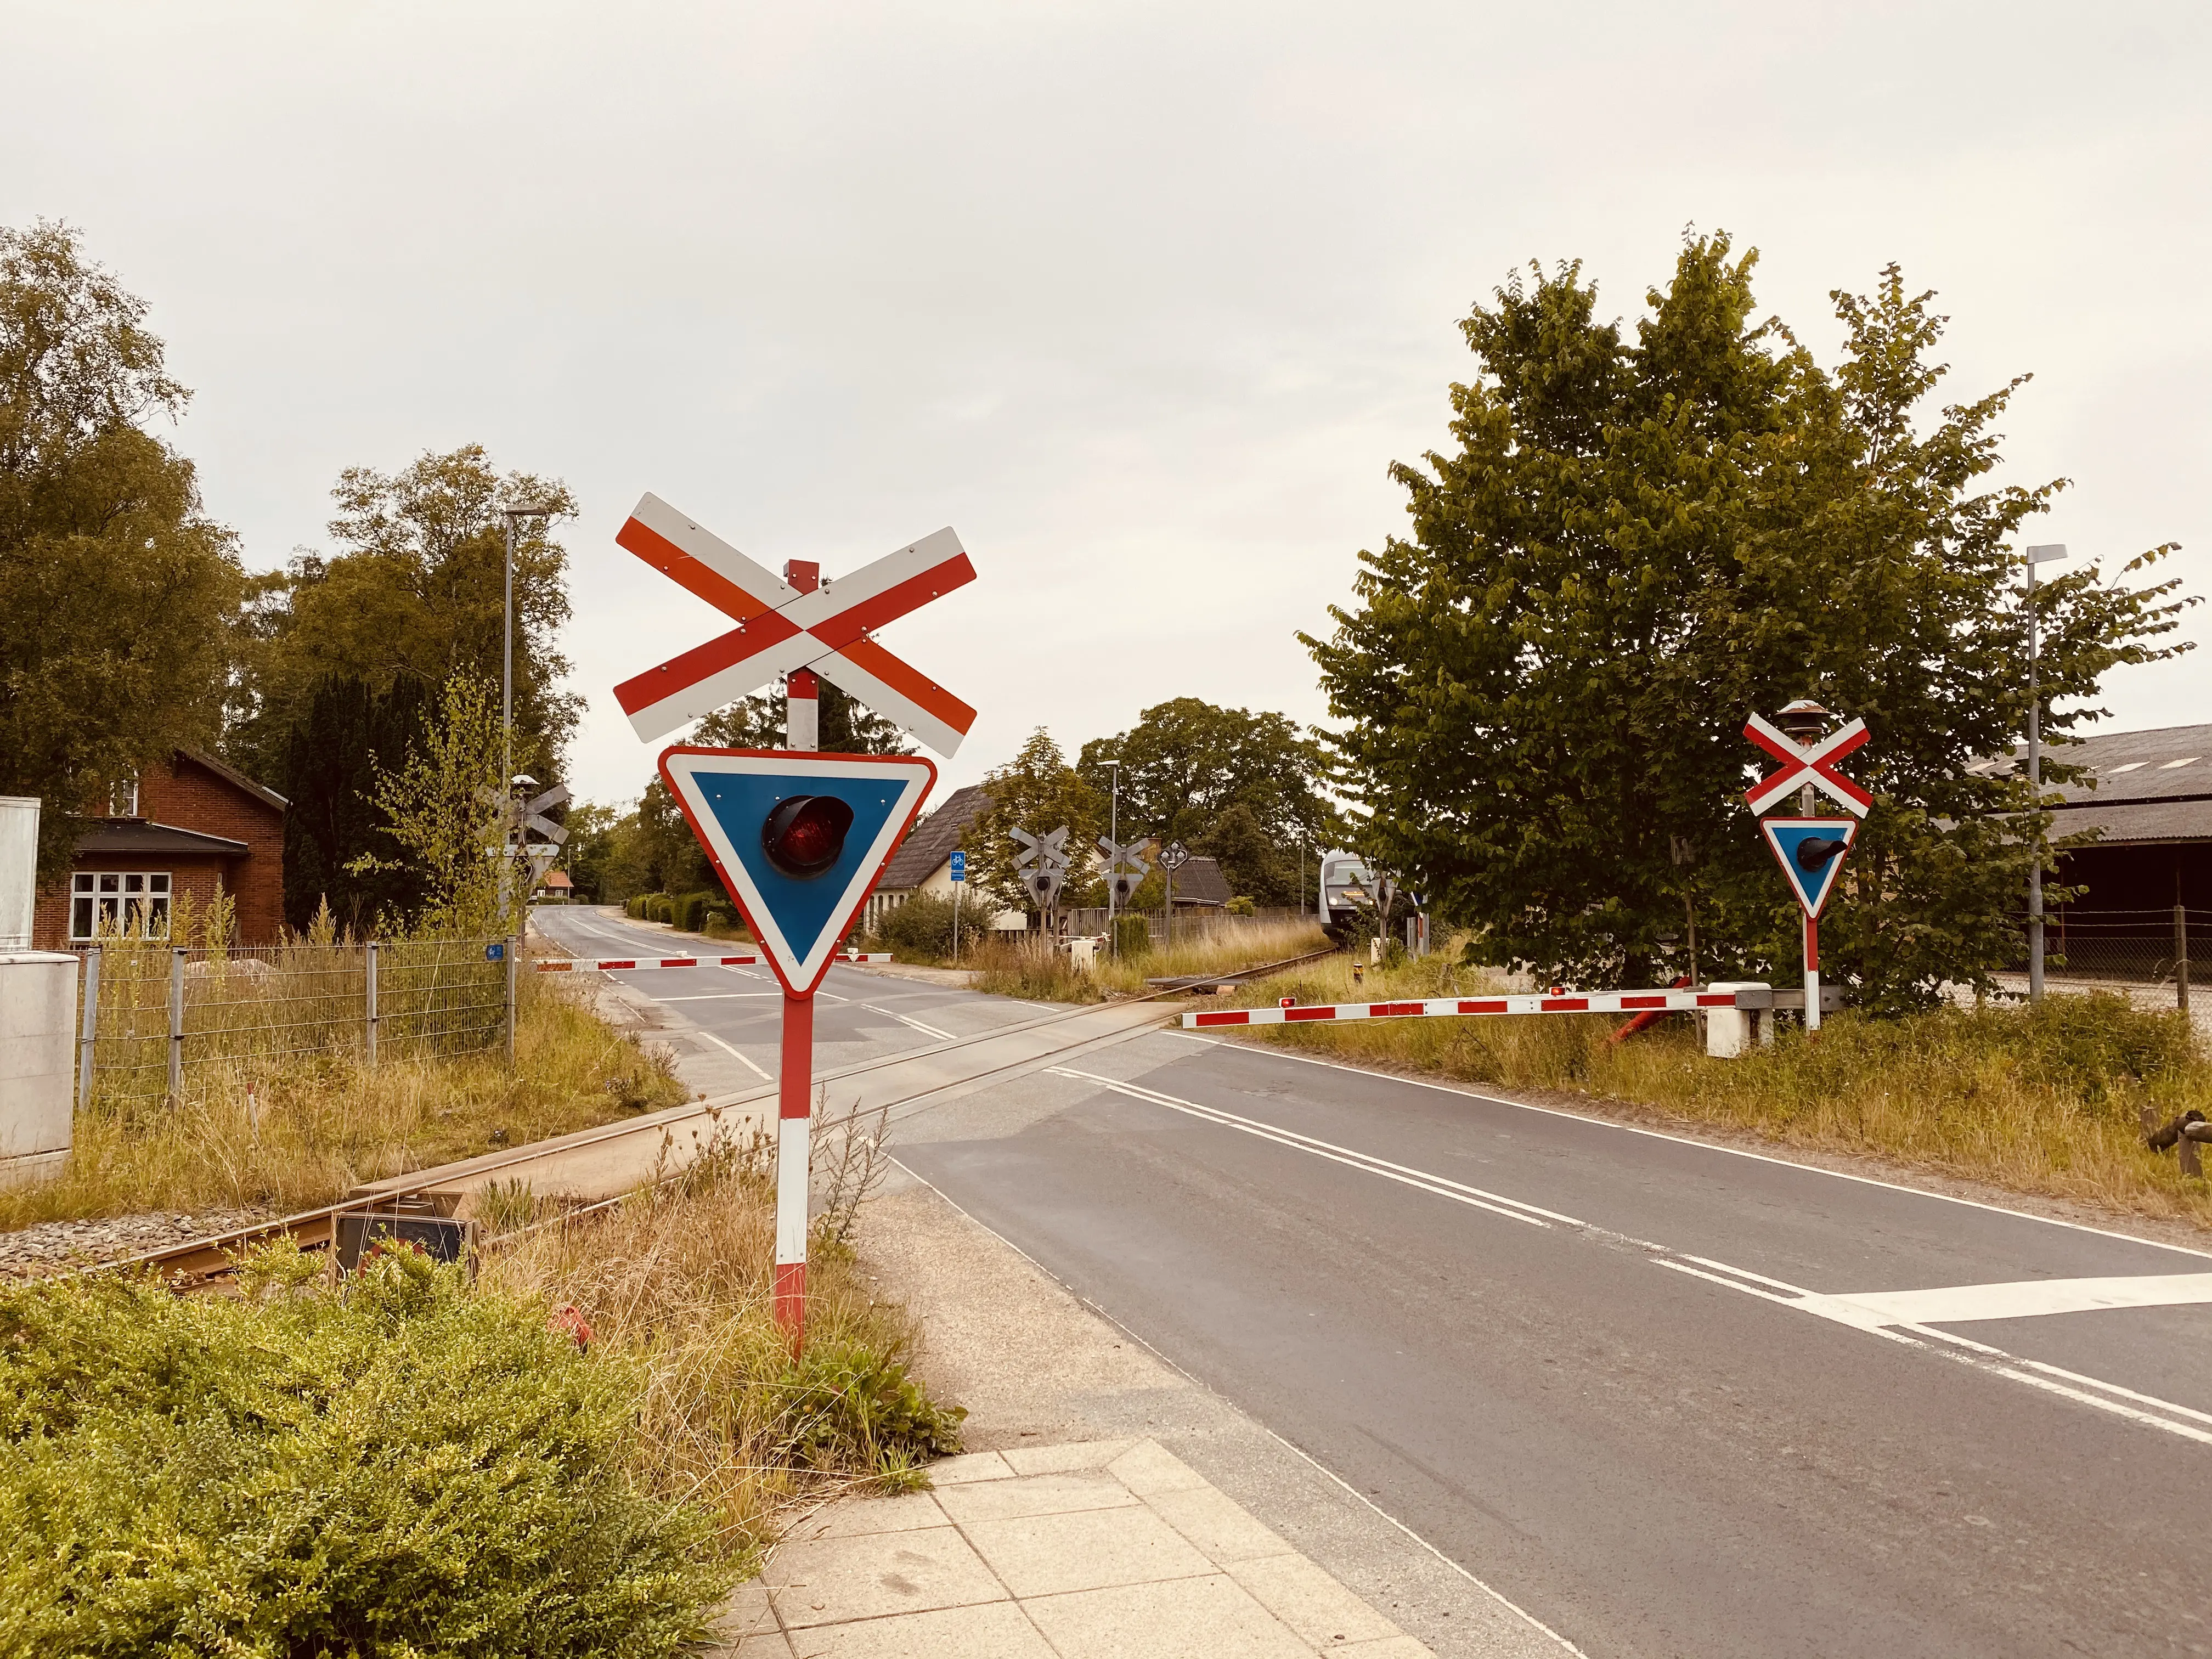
x,y
959,865
799,840
1811,853
495,953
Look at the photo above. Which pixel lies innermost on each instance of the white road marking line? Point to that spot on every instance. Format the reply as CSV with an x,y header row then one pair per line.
x,y
1439,1185
1859,1314
718,996
742,1060
2030,1298
927,1030
1272,1052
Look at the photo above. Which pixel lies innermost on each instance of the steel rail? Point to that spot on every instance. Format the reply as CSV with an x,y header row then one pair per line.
x,y
197,1262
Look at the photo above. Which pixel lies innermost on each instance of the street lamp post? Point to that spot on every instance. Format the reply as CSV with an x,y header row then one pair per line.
x,y
1114,835
2046,555
506,699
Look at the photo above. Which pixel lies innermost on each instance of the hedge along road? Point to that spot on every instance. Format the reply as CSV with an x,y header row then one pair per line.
x,y
1670,1399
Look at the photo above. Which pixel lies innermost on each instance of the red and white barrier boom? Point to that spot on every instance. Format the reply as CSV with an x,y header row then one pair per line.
x,y
1584,1002
603,964
799,837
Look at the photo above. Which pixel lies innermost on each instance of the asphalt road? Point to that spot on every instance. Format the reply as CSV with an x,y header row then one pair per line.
x,y
1670,1399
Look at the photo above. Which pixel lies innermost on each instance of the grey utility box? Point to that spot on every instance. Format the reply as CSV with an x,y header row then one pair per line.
x,y
38,1062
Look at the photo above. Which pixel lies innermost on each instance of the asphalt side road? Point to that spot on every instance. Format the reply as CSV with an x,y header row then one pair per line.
x,y
1671,1399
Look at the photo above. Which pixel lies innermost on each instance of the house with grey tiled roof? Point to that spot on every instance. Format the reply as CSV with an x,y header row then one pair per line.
x,y
923,863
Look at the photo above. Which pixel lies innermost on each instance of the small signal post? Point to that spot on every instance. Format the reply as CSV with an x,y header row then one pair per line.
x,y
798,836
1809,848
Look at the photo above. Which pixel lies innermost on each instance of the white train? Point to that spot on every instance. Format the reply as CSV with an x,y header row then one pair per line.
x,y
1347,887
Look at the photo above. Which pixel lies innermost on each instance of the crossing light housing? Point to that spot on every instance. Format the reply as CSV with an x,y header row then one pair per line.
x,y
1814,851
805,835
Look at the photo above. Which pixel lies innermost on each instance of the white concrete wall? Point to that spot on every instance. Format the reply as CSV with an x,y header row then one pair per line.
x,y
19,869
38,1062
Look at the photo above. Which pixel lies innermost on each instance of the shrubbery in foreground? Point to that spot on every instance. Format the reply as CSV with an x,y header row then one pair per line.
x,y
410,1468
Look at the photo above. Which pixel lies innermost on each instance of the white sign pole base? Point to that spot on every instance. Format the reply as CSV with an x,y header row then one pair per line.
x,y
1811,974
794,1104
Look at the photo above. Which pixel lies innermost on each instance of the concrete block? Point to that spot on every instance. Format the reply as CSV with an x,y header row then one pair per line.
x,y
1730,1031
38,1062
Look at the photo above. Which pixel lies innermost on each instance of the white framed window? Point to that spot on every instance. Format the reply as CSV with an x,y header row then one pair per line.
x,y
123,798
118,901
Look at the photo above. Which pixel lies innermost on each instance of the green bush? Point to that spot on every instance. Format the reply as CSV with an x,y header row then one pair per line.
x,y
634,907
689,911
660,907
922,926
1132,936
1241,905
408,1469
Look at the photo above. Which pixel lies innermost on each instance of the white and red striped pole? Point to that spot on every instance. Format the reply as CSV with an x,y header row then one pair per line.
x,y
802,692
795,1091
1811,974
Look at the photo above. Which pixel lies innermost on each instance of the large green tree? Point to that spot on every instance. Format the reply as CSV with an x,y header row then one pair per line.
x,y
1039,791
338,847
117,590
416,591
1635,543
1249,789
843,725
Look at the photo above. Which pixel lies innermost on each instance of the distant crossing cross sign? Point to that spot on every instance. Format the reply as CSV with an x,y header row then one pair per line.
x,y
830,631
1807,763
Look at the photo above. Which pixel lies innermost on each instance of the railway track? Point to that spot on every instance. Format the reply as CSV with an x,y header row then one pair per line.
x,y
200,1262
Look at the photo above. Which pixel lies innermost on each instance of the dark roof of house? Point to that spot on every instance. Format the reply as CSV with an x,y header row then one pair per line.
x,y
122,837
232,776
2148,786
1201,881
930,842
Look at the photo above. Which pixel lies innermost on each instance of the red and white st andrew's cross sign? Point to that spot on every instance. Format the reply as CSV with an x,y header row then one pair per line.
x,y
1807,762
831,630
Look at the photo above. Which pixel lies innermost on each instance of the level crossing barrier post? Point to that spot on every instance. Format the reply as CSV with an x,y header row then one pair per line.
x,y
370,998
793,1145
87,1042
176,1025
1811,974
2181,958
513,962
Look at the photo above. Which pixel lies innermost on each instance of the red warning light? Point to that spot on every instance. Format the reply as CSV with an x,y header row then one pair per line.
x,y
805,833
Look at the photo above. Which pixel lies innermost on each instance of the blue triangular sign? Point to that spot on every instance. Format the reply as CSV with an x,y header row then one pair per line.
x,y
798,914
1811,853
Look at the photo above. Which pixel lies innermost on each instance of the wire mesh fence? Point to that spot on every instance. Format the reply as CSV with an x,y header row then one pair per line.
x,y
153,1016
2165,946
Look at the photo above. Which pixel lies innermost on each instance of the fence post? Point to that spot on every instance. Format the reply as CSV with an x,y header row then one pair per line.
x,y
2181,958
372,1003
88,1034
514,951
177,1024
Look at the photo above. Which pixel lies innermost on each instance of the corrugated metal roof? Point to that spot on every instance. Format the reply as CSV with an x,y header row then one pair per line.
x,y
2153,785
1201,881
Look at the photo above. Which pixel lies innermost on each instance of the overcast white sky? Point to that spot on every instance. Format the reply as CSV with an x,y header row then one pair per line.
x,y
1140,298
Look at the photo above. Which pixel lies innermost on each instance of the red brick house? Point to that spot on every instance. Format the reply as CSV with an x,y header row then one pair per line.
x,y
183,828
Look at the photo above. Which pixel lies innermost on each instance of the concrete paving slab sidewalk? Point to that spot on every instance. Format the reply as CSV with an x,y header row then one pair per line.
x,y
1102,1549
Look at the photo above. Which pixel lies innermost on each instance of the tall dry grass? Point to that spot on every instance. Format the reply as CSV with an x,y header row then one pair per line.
x,y
297,1131
678,1278
1025,966
2046,1100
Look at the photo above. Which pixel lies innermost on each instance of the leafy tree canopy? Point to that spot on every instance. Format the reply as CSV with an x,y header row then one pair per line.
x,y
1634,544
117,591
846,727
416,591
1037,791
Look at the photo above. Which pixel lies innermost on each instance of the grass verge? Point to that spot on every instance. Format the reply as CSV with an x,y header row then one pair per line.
x,y
1025,967
578,1452
291,1135
2042,1100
